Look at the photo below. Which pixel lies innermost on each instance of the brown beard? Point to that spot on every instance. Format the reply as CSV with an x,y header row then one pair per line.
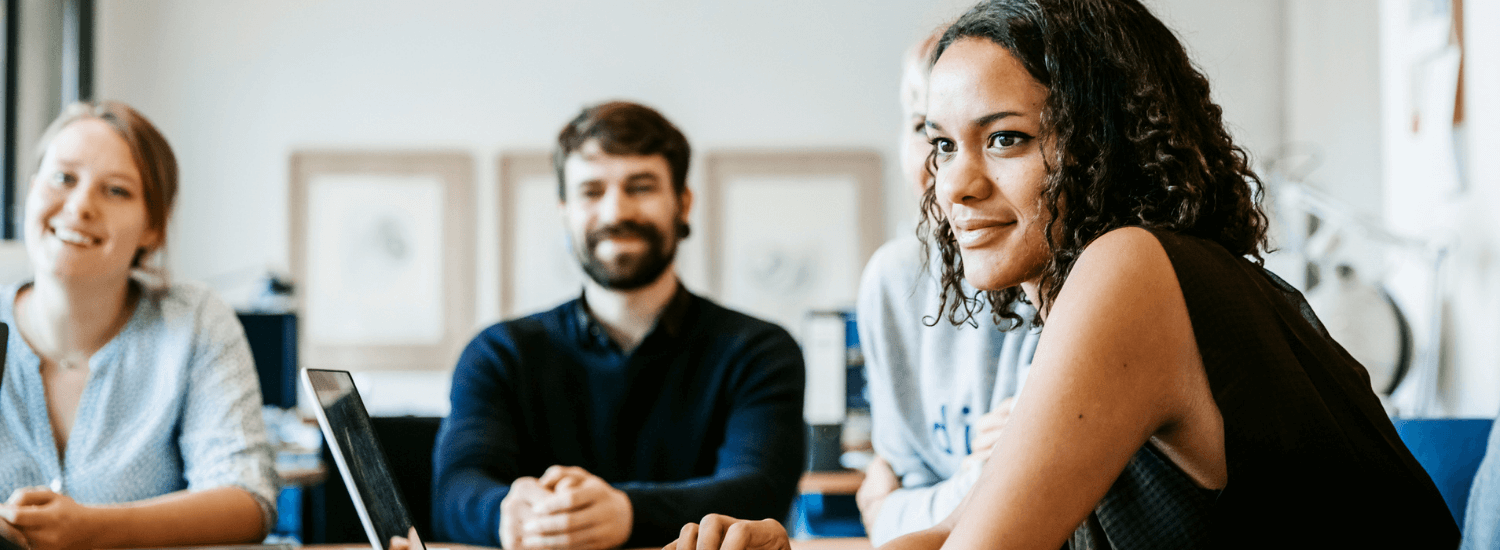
x,y
631,271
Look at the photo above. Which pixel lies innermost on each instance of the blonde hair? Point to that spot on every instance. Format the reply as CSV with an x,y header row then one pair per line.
x,y
148,148
916,66
919,55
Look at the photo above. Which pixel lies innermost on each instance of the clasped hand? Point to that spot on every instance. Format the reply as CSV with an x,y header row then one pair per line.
x,y
568,508
40,519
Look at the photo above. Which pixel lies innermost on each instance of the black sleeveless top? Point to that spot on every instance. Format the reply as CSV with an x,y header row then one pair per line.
x,y
1313,460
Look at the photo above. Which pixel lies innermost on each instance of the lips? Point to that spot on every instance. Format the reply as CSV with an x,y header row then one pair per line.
x,y
623,231
972,231
73,236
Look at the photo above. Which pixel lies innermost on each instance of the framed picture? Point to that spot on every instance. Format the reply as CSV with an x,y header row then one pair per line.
x,y
537,260
792,230
539,267
382,249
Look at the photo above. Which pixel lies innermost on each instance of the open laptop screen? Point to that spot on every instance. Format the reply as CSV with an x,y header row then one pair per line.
x,y
346,425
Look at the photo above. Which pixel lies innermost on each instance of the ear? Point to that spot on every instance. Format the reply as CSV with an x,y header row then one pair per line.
x,y
151,240
685,203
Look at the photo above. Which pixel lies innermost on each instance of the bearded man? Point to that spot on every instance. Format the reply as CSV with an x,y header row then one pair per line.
x,y
616,418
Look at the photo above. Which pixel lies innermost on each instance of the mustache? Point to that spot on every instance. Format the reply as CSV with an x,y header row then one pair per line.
x,y
625,228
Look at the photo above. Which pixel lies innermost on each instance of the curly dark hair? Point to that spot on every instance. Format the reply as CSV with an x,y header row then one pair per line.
x,y
1135,141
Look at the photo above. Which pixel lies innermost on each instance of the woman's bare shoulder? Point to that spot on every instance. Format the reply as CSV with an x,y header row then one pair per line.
x,y
1120,319
1126,267
1108,375
1133,249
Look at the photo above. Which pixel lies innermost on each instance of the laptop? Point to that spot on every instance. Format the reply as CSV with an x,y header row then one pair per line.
x,y
359,456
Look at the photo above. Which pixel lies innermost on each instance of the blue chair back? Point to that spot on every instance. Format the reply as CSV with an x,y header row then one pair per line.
x,y
1450,449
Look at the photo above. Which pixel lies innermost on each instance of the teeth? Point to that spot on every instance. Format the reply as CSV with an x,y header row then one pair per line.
x,y
72,237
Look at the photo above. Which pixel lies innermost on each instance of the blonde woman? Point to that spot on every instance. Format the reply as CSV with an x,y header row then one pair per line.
x,y
130,408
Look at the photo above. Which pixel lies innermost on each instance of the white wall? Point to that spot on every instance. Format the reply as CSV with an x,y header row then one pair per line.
x,y
38,98
237,86
1472,387
13,263
1239,46
1447,191
1332,97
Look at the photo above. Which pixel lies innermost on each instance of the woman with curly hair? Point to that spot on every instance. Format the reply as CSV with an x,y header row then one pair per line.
x,y
1181,396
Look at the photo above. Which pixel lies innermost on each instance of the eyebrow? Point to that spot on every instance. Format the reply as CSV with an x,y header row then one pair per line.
x,y
630,178
981,121
110,175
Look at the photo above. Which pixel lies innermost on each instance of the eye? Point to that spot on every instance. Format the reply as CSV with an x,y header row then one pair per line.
x,y
118,191
640,188
1006,140
591,191
944,146
63,179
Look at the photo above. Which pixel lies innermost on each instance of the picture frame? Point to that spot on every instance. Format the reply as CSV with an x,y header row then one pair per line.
x,y
792,230
382,251
538,267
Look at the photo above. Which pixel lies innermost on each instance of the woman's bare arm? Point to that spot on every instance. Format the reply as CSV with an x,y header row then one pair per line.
x,y
55,522
1116,365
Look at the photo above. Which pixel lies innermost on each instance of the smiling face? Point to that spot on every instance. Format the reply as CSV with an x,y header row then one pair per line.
x,y
984,118
622,215
86,214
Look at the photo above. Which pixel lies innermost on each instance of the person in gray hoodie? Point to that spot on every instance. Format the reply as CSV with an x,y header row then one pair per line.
x,y
939,394
1482,519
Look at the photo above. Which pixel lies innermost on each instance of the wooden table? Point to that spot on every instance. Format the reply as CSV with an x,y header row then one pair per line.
x,y
303,477
430,546
831,483
832,543
859,543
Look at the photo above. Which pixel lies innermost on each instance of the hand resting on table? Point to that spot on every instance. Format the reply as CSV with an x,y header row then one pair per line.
x,y
719,532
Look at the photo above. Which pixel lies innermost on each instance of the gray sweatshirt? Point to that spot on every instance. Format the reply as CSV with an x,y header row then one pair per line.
x,y
928,385
1482,519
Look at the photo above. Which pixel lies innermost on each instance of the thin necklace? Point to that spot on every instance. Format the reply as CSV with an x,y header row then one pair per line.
x,y
68,364
27,315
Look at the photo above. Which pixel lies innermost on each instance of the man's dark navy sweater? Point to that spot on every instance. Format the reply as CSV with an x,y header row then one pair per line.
x,y
704,416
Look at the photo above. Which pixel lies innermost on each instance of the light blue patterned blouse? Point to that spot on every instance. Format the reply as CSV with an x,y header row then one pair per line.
x,y
171,403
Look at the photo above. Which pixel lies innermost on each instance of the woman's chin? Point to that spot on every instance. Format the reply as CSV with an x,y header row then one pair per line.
x,y
997,268
986,281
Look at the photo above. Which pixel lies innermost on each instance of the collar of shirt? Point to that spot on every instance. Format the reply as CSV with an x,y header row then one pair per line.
x,y
590,332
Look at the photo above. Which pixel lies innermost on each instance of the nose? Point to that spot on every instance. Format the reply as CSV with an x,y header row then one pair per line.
x,y
616,205
963,180
80,201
